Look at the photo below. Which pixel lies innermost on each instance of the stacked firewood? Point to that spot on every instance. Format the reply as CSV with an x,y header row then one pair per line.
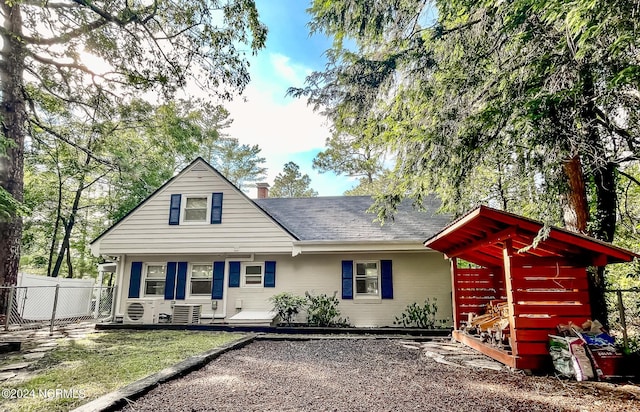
x,y
493,325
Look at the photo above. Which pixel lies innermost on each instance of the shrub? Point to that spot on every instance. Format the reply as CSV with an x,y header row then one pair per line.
x,y
323,311
287,305
419,316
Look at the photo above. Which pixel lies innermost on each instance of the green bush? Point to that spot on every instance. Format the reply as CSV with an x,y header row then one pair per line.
x,y
322,310
287,305
419,316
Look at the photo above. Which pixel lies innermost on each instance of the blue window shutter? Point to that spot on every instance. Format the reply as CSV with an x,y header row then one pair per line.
x,y
216,208
218,280
386,275
269,274
234,274
174,210
170,281
347,279
134,281
181,282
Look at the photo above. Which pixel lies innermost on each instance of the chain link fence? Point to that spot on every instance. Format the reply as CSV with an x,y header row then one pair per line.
x,y
33,307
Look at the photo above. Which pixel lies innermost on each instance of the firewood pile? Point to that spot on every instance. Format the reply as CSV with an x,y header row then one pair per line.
x,y
492,326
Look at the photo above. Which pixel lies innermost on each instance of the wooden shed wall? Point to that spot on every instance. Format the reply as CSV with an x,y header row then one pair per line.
x,y
540,298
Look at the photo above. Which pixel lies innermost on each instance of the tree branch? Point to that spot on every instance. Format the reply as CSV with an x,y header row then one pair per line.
x,y
74,65
131,16
50,4
63,38
628,176
35,120
604,121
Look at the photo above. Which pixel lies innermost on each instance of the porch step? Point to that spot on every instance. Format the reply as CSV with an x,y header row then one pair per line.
x,y
253,318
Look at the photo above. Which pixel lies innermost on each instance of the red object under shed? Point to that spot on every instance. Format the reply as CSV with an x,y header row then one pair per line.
x,y
542,278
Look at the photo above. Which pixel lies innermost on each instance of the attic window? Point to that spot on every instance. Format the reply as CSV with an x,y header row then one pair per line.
x,y
195,209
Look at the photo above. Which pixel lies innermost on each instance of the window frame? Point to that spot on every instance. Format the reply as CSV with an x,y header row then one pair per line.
x,y
367,295
190,279
145,278
183,211
243,274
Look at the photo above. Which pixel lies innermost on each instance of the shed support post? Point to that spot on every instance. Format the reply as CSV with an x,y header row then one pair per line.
x,y
454,294
507,252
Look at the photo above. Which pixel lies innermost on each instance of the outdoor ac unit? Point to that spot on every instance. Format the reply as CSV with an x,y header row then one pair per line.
x,y
186,314
140,312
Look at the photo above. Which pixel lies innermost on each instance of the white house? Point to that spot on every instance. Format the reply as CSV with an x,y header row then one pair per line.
x,y
198,240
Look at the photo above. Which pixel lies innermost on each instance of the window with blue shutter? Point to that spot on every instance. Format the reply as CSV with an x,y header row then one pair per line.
x,y
234,274
269,274
134,281
170,281
216,208
217,285
386,277
347,279
181,280
174,209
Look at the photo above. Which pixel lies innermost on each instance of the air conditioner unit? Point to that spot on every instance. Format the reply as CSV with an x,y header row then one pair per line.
x,y
186,314
140,312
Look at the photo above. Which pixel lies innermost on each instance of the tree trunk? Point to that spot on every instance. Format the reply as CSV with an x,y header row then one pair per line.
x,y
56,225
603,171
604,229
69,264
69,224
14,118
575,205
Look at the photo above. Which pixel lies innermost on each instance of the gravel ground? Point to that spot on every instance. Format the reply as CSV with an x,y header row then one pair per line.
x,y
367,375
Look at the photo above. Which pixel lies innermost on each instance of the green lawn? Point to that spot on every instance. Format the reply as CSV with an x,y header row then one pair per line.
x,y
101,363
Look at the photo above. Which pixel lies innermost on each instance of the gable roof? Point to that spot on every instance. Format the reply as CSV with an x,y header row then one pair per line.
x,y
345,218
196,163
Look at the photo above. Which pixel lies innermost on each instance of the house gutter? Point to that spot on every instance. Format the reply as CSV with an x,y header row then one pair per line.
x,y
324,246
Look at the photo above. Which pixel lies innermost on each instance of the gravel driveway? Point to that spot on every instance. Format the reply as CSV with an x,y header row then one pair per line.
x,y
366,375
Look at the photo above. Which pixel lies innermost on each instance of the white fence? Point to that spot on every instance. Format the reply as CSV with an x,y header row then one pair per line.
x,y
39,301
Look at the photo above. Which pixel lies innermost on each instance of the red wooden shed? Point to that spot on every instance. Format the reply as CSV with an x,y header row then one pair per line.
x,y
544,285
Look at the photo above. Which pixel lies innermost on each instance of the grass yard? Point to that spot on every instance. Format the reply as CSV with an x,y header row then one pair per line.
x,y
104,361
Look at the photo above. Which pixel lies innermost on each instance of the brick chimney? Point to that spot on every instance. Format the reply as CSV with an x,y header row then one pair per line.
x,y
263,190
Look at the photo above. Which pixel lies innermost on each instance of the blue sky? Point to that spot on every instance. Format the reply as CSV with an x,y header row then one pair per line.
x,y
284,127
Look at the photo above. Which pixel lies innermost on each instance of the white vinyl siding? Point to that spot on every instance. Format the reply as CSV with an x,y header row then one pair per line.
x,y
245,228
416,276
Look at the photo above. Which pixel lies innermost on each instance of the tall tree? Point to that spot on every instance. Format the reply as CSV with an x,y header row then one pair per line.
x,y
73,197
551,86
240,163
291,183
144,47
346,156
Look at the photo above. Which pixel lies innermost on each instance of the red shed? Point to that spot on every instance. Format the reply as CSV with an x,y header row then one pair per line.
x,y
543,285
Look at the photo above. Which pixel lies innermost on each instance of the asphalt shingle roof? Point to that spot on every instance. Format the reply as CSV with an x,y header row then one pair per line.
x,y
345,218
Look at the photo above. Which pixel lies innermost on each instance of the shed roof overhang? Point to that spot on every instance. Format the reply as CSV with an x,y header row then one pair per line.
x,y
480,235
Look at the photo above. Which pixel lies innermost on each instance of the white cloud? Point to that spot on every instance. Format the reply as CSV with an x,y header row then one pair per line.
x,y
281,126
293,74
286,129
